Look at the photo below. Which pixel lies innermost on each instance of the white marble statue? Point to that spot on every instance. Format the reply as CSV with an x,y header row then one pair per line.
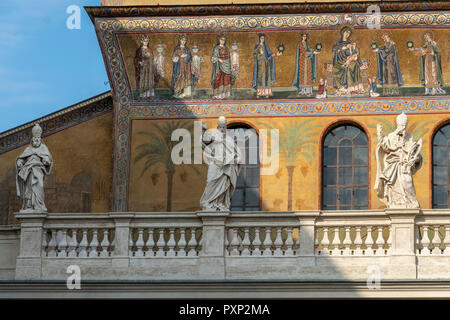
x,y
223,157
32,166
398,159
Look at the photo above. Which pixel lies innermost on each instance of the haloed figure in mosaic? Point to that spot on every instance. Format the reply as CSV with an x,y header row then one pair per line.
x,y
222,77
398,159
347,65
305,72
223,157
263,68
388,67
430,66
32,166
145,69
182,74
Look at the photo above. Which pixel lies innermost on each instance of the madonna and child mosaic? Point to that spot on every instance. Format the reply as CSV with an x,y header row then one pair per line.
x,y
345,62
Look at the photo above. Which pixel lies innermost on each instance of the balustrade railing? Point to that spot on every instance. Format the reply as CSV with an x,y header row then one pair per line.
x,y
188,244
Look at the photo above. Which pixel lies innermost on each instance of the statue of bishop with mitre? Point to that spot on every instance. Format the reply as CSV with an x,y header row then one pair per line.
x,y
32,166
398,159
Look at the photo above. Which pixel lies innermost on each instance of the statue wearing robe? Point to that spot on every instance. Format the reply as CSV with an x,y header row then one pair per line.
x,y
32,166
398,159
223,157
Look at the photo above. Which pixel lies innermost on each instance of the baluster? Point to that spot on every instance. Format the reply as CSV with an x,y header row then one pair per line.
x,y
369,241
235,243
358,241
94,244
182,243
380,241
150,243
52,245
140,243
131,244
389,239
336,242
325,242
417,240
257,243
83,245
192,244
171,243
425,241
105,244
160,244
289,243
436,241
447,240
268,242
62,246
44,243
278,243
347,241
246,243
73,244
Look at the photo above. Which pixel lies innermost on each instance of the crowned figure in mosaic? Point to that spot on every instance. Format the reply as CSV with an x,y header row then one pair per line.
x,y
305,72
430,73
398,158
223,157
263,68
222,77
388,66
32,166
182,74
145,69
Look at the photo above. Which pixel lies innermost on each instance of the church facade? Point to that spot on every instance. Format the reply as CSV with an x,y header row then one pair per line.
x,y
316,79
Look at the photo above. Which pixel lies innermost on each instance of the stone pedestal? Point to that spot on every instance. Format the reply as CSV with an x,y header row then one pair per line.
x,y
29,262
212,255
121,258
402,255
306,239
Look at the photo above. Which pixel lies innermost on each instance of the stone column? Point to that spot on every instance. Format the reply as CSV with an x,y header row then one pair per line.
x,y
307,234
29,261
120,257
402,254
212,255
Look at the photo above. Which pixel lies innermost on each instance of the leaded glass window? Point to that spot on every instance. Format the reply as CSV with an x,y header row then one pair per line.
x,y
441,167
345,169
246,197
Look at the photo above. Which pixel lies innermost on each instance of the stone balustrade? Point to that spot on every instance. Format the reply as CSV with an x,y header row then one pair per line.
x,y
302,245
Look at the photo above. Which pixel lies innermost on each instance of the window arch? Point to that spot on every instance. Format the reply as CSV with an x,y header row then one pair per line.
x,y
246,196
345,169
441,167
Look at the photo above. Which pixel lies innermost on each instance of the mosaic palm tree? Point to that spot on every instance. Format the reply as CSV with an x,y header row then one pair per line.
x,y
158,150
296,141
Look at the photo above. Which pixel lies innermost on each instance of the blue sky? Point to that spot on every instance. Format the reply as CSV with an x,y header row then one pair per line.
x,y
44,66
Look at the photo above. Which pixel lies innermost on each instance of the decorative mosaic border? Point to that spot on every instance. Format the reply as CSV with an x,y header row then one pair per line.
x,y
56,122
239,9
124,20
292,108
290,22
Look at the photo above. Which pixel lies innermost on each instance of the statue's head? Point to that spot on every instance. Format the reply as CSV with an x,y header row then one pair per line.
x,y
222,124
160,48
195,49
235,46
221,39
36,135
402,122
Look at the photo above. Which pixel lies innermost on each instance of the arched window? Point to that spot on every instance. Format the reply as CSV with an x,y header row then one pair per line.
x,y
246,197
441,167
345,169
